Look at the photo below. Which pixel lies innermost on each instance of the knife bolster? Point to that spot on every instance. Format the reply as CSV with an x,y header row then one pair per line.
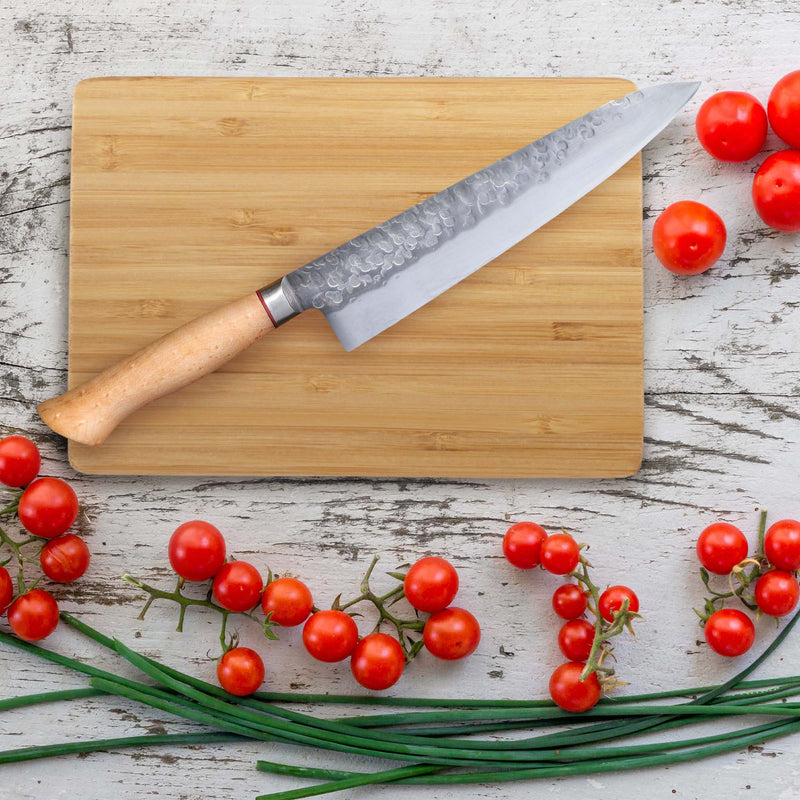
x,y
277,299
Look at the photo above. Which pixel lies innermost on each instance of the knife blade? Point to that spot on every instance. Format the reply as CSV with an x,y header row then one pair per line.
x,y
376,279
381,276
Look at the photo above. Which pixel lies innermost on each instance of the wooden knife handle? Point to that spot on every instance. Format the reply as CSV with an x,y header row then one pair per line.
x,y
88,413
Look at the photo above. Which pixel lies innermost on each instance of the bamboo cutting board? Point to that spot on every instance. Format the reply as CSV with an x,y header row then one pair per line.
x,y
188,192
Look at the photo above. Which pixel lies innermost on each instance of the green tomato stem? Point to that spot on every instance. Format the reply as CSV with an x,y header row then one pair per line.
x,y
603,630
21,559
401,626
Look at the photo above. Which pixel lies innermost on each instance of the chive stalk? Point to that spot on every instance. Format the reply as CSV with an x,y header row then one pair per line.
x,y
434,744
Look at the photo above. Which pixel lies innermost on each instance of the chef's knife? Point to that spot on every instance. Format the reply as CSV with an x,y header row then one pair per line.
x,y
371,282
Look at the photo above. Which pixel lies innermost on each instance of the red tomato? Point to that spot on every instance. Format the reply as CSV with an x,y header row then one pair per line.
x,y
288,600
431,584
6,590
240,671
48,507
196,550
19,461
776,191
33,616
777,593
732,126
560,554
523,543
65,558
730,632
688,237
575,639
720,547
569,601
612,599
782,545
237,586
569,692
378,661
451,634
783,109
330,635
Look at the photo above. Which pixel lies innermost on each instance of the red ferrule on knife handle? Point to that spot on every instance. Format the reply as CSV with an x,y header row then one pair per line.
x,y
266,308
276,302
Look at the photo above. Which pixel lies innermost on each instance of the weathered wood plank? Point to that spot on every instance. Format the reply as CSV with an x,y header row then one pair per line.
x,y
722,367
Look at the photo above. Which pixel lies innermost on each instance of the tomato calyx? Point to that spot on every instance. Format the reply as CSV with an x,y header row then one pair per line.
x,y
404,628
741,580
330,635
45,508
289,604
618,617
227,641
587,644
766,583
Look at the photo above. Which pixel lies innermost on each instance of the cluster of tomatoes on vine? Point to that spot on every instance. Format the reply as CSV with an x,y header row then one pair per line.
x,y
197,552
764,582
46,508
689,237
577,684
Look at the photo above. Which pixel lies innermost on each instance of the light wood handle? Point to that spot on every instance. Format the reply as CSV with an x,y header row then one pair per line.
x,y
88,413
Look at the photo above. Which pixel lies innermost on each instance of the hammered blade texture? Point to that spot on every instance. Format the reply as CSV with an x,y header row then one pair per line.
x,y
331,281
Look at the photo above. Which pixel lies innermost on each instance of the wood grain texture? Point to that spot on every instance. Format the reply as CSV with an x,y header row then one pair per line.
x,y
89,412
188,191
722,377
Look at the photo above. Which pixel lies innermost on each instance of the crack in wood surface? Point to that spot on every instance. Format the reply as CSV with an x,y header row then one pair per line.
x,y
722,377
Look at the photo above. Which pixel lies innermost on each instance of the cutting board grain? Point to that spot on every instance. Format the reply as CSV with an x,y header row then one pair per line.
x,y
188,192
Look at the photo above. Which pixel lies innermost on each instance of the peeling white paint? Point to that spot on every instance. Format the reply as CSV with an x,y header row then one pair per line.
x,y
722,377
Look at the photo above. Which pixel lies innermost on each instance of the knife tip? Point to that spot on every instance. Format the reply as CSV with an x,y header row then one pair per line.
x,y
675,94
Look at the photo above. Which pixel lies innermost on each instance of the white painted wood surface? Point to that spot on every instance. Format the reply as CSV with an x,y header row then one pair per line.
x,y
722,377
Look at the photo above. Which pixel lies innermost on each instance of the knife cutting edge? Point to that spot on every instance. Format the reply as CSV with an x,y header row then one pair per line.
x,y
381,276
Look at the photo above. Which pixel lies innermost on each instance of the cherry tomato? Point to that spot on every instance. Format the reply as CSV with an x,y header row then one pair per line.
x,y
288,600
523,543
732,126
560,554
431,584
34,615
196,550
569,601
730,632
571,693
688,237
19,461
451,634
575,639
720,547
48,507
330,635
65,558
378,661
240,671
237,586
776,191
777,593
783,109
782,545
6,590
612,599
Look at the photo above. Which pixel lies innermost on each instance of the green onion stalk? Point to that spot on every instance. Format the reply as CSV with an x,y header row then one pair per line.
x,y
438,741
